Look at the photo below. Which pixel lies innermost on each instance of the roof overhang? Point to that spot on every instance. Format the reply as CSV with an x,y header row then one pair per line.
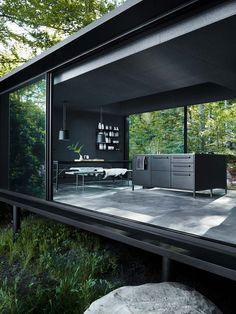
x,y
123,21
187,62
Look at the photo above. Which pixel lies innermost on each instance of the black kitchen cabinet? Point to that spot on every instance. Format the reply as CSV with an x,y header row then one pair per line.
x,y
191,172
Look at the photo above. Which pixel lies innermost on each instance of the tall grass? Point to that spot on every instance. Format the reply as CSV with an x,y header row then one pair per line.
x,y
52,268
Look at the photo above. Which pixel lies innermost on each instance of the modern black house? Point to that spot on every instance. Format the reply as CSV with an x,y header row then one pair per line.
x,y
69,121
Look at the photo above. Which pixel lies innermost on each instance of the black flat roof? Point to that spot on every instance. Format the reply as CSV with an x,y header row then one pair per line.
x,y
131,15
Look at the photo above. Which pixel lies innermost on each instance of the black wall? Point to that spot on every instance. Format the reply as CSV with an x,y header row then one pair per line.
x,y
4,137
82,126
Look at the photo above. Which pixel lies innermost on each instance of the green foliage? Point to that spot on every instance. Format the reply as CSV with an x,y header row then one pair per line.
x,y
28,26
27,139
211,129
52,268
212,126
156,132
75,147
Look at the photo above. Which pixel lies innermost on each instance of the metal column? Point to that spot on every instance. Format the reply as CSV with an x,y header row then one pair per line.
x,y
185,129
166,269
49,165
126,139
16,221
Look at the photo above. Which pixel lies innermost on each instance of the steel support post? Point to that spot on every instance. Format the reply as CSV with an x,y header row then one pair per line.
x,y
16,221
166,269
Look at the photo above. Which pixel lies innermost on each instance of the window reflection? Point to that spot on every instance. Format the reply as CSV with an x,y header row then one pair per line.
x,y
27,139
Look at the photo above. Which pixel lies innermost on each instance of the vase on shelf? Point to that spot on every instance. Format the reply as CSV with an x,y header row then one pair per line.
x,y
80,157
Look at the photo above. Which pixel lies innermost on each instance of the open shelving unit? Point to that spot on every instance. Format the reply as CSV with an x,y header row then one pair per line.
x,y
112,137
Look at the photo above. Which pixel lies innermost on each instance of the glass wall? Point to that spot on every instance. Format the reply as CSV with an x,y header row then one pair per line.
x,y
27,139
157,132
212,129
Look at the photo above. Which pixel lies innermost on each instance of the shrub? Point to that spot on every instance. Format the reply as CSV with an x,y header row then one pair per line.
x,y
52,268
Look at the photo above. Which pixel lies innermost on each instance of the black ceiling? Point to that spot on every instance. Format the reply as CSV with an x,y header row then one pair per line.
x,y
123,19
194,68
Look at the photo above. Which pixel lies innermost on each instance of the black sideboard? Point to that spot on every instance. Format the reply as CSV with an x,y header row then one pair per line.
x,y
191,172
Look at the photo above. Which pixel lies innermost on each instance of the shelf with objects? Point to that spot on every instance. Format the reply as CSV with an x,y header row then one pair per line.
x,y
107,137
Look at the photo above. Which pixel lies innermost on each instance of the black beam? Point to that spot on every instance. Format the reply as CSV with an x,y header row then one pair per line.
x,y
185,129
126,138
16,221
209,255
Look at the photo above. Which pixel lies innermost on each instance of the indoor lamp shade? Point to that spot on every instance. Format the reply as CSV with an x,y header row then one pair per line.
x,y
101,138
64,134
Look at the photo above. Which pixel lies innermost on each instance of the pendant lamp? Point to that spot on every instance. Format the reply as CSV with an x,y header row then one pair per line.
x,y
64,134
101,138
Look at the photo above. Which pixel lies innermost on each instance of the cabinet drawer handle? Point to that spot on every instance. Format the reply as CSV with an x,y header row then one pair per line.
x,y
186,157
182,174
181,166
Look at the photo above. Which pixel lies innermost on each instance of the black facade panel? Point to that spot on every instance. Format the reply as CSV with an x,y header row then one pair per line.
x,y
4,140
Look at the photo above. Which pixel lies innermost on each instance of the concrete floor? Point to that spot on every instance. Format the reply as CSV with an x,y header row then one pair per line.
x,y
214,218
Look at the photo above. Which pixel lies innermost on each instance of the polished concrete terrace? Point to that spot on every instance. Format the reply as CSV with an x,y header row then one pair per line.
x,y
213,218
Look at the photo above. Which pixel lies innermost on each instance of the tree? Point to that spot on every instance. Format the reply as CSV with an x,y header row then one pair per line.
x,y
157,132
29,26
212,127
26,28
27,139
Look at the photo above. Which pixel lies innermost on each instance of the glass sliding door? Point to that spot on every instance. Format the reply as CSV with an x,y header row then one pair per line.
x,y
27,107
157,132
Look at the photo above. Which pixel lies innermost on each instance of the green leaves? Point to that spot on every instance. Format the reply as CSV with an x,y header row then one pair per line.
x,y
157,132
211,126
27,139
27,27
75,147
53,268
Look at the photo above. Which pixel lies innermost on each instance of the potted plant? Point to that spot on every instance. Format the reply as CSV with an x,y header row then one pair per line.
x,y
76,148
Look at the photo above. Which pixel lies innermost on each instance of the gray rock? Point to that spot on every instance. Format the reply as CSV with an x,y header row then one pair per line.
x,y
160,298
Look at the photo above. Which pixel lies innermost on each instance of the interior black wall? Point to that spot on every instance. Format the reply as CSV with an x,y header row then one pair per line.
x,y
82,126
4,138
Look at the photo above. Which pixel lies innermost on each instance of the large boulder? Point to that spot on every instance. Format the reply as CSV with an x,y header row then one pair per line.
x,y
160,298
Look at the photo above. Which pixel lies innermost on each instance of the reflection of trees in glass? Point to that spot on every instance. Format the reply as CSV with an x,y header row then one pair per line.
x,y
27,139
212,127
157,132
